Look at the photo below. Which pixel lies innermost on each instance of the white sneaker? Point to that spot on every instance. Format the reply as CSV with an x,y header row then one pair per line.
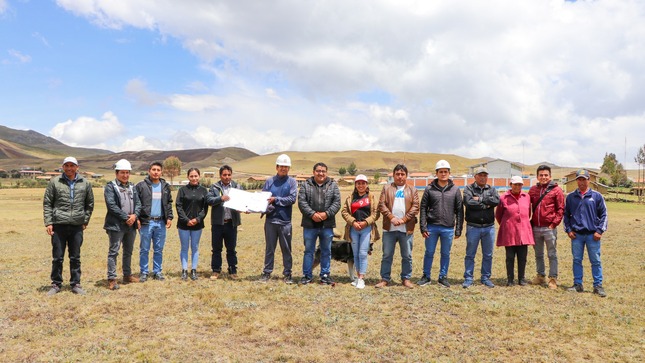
x,y
360,284
354,282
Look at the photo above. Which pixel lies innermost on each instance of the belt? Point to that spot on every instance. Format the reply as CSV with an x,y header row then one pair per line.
x,y
156,218
228,220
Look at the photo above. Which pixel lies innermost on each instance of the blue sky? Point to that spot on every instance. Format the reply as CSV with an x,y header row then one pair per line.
x,y
525,81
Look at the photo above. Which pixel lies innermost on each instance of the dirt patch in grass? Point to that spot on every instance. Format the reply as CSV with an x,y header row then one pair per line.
x,y
245,320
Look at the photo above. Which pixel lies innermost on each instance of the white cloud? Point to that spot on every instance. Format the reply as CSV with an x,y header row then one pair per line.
x,y
3,6
563,79
88,132
19,57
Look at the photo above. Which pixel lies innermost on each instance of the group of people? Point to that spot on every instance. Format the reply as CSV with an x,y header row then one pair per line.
x,y
524,219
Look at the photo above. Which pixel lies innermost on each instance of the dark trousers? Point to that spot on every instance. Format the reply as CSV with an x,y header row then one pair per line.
x,y
520,252
70,237
225,234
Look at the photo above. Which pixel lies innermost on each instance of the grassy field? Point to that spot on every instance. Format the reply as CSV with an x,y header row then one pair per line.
x,y
224,321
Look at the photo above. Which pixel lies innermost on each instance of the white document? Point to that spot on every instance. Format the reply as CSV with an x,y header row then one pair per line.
x,y
246,201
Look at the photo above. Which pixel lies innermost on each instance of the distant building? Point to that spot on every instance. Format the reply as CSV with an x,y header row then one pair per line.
x,y
498,168
570,183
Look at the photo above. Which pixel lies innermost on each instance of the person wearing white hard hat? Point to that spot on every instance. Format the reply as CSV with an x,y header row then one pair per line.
x,y
361,213
277,225
442,217
121,225
399,206
319,202
513,215
68,204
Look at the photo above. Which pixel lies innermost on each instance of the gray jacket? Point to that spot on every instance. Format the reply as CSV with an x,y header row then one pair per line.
x,y
58,206
214,199
442,206
115,217
313,198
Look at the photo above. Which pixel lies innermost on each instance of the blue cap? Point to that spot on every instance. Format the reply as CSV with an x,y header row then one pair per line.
x,y
582,173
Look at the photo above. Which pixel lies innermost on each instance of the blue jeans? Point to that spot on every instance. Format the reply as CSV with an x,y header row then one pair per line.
x,y
487,237
405,243
360,247
154,231
310,236
578,251
190,238
446,234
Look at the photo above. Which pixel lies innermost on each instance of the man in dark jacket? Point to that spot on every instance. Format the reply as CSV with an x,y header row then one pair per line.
x,y
480,200
442,216
123,206
155,217
67,208
585,220
318,201
224,222
547,202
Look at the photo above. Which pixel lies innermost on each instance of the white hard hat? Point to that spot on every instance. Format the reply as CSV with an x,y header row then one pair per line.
x,y
442,164
283,160
122,165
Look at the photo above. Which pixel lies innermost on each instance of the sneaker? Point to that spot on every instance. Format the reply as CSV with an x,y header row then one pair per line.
x,y
214,275
264,277
112,284
128,279
381,284
407,283
424,280
576,288
467,284
360,284
184,275
306,280
326,280
193,274
443,281
288,279
523,282
355,282
510,283
143,277
55,289
600,291
488,283
158,276
77,289
553,283
538,280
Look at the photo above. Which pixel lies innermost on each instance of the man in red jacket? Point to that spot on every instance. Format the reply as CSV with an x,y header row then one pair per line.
x,y
547,203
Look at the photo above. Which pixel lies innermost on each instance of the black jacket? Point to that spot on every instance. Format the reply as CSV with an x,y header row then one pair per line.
x,y
191,203
442,207
144,191
214,199
115,217
480,213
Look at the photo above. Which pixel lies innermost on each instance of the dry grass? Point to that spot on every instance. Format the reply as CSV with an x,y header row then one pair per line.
x,y
247,321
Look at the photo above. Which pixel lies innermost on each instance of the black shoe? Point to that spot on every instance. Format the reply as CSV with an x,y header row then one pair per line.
x,y
306,280
510,283
424,280
158,276
599,290
443,281
576,288
326,280
288,279
523,282
265,277
184,275
193,275
143,277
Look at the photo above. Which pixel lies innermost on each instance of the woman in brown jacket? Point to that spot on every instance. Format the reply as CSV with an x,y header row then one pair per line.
x,y
360,212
